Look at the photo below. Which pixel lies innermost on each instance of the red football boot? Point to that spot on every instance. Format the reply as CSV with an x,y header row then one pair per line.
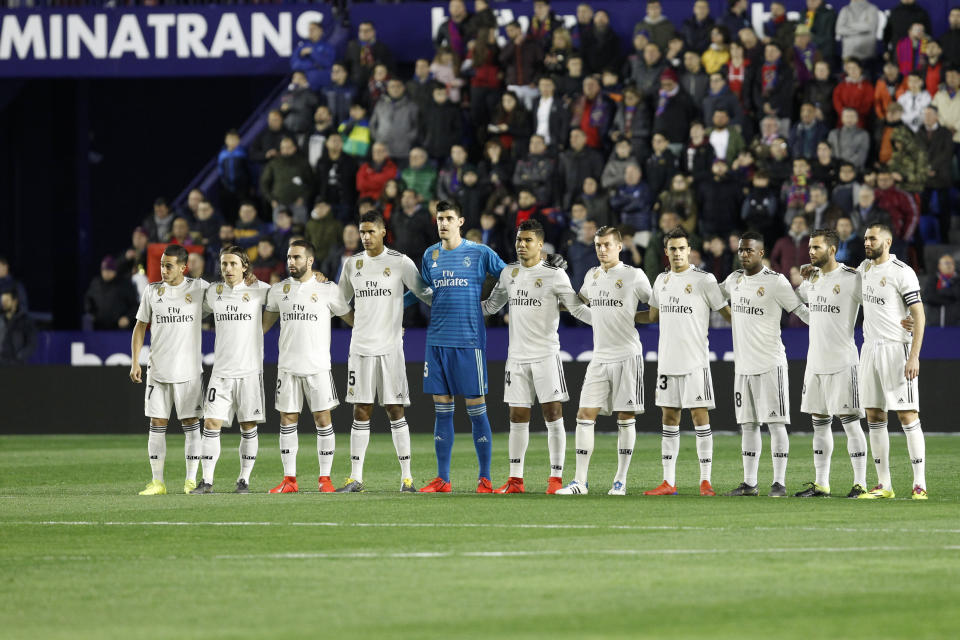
x,y
289,485
437,485
325,485
663,490
484,485
513,485
706,489
554,483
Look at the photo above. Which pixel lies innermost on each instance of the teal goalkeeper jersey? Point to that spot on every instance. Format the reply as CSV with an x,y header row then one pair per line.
x,y
456,277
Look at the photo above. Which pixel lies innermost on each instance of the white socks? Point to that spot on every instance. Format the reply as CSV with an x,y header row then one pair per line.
x,y
822,449
584,445
917,449
401,442
326,444
857,448
359,439
880,447
249,444
669,448
517,447
209,453
191,448
780,449
751,446
705,451
626,439
157,450
557,446
289,445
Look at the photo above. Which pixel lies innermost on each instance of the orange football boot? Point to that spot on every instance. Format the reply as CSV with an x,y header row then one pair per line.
x,y
484,485
289,485
437,485
513,485
325,485
554,483
706,489
663,490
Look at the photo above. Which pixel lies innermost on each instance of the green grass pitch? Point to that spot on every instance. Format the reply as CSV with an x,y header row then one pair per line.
x,y
82,556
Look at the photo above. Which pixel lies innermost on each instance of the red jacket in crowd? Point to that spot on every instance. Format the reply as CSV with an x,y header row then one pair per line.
x,y
858,95
904,213
789,252
370,181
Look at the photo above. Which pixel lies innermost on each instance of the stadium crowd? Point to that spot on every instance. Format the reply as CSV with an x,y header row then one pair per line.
x,y
704,124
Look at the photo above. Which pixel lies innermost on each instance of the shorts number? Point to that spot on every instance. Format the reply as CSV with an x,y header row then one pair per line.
x,y
663,382
508,378
150,393
212,395
426,371
352,378
736,397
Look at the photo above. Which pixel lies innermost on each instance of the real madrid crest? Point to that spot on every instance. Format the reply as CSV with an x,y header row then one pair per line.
x,y
619,284
688,288
538,283
466,261
161,290
359,264
286,288
386,272
836,289
513,274
436,253
219,289
246,297
760,292
313,298
883,281
188,298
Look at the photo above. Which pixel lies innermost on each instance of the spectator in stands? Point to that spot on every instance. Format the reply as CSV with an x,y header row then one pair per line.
x,y
332,267
774,85
196,266
592,112
268,266
298,104
792,250
537,172
420,175
693,80
778,164
472,196
288,180
696,28
9,283
658,27
542,24
718,54
947,102
323,230
726,141
452,33
340,94
822,21
795,193
674,111
644,70
519,59
266,145
441,125
18,334
696,159
632,204
374,173
914,100
613,172
158,225
596,202
942,292
720,97
910,49
364,53
892,121
886,89
555,58
510,124
581,34
355,132
738,72
856,27
661,165
134,259
376,87
720,197
485,77
680,199
737,16
950,41
395,120
551,120
825,168
496,166
577,163
807,133
819,93
847,189
901,206
581,255
850,142
655,258
850,247
446,71
180,232
900,21
718,260
779,29
420,86
336,178
604,53
760,211
281,231
412,227
233,168
866,211
248,230
313,58
820,212
632,124
452,173
226,237
111,301
937,144
933,70
323,128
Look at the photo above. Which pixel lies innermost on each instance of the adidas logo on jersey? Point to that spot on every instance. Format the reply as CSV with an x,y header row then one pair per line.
x,y
257,412
699,399
556,392
773,414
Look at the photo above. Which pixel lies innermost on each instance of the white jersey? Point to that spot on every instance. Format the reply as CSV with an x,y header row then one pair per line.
x,y
174,315
685,300
888,290
834,301
376,284
534,294
614,296
755,303
305,310
238,317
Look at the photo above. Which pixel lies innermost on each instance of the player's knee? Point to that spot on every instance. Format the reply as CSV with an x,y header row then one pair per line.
x,y
288,419
158,422
472,401
671,416
520,414
552,411
248,426
362,412
210,423
626,415
700,416
394,411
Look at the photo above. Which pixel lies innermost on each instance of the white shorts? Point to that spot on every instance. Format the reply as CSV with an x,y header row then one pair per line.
x,y
318,389
385,376
243,397
690,391
831,394
614,386
882,383
160,398
764,397
526,382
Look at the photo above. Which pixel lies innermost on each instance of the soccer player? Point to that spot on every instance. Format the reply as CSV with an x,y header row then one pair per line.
x,y
614,380
304,307
375,279
890,358
236,383
172,309
682,299
535,290
832,293
761,393
455,363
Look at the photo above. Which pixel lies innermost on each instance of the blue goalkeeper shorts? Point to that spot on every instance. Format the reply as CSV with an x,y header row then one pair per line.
x,y
455,371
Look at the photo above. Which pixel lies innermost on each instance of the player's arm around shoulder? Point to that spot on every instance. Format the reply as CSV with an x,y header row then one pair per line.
x,y
493,263
498,296
414,281
641,285
789,301
574,304
271,311
338,306
652,314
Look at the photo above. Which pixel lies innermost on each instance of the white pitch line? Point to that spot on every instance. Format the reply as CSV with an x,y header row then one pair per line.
x,y
461,525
